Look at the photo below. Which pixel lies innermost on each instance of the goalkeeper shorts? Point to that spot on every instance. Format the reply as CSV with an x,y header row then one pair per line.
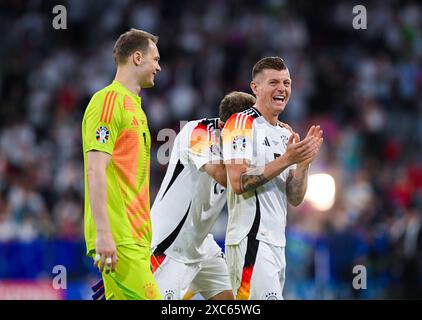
x,y
132,279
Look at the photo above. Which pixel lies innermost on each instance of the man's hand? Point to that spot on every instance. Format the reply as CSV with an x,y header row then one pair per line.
x,y
106,255
316,132
299,151
313,131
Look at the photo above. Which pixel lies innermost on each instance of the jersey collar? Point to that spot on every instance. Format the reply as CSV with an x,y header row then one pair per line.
x,y
256,110
127,91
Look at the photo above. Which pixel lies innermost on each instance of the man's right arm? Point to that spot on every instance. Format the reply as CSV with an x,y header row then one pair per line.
x,y
244,178
97,163
201,142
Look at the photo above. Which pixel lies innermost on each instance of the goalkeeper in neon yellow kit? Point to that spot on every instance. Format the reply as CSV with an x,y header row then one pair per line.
x,y
116,147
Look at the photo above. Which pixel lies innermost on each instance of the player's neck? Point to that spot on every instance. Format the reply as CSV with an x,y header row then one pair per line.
x,y
128,81
267,114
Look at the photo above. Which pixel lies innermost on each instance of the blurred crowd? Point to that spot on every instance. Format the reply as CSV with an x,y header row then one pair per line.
x,y
364,87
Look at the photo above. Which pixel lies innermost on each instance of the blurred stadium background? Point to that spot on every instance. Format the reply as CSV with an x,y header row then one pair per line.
x,y
363,86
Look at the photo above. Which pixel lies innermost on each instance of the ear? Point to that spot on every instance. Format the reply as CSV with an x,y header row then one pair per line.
x,y
137,58
254,87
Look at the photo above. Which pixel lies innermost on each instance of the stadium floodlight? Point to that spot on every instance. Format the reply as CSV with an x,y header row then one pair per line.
x,y
321,191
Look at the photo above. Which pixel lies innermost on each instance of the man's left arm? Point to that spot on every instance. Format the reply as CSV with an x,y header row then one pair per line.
x,y
297,183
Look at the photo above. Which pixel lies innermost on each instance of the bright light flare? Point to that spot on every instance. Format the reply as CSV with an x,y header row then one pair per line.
x,y
321,191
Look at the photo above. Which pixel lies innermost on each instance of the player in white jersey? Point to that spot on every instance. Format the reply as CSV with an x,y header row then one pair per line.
x,y
267,167
191,196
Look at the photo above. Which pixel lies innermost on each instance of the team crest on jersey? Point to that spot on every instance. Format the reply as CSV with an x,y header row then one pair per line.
x,y
285,140
169,295
102,134
150,291
271,296
239,143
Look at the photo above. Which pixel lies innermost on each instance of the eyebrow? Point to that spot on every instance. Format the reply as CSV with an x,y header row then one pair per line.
x,y
278,80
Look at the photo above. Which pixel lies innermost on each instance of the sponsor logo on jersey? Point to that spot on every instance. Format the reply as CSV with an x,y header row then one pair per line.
x,y
266,142
135,122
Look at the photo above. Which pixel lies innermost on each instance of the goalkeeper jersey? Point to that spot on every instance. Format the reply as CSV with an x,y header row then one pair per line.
x,y
115,123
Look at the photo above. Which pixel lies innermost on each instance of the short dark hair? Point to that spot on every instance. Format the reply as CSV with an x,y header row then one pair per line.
x,y
235,102
131,41
268,63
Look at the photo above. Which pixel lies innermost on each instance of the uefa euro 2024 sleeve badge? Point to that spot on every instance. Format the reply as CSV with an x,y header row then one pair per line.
x,y
239,143
102,134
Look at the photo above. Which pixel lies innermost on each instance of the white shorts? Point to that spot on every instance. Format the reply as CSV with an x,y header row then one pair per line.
x,y
208,277
257,270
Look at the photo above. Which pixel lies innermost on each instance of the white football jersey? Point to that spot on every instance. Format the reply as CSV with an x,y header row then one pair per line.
x,y
189,200
263,211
